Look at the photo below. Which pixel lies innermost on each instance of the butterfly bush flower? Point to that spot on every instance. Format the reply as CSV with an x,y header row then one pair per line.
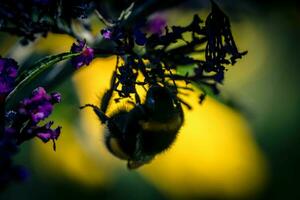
x,y
35,109
106,33
31,19
158,59
8,147
56,97
113,33
156,24
45,133
86,54
8,74
23,123
38,107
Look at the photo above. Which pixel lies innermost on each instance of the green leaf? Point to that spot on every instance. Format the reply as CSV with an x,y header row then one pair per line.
x,y
34,71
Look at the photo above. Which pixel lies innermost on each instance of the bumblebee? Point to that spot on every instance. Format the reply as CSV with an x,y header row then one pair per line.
x,y
146,130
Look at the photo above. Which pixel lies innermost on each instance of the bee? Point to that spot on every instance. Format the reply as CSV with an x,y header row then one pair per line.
x,y
149,128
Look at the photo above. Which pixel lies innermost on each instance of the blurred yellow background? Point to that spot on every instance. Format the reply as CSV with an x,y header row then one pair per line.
x,y
219,154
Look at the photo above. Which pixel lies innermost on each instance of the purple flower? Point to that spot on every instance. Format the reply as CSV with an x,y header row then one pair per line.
x,y
56,97
156,24
41,112
45,133
8,74
39,106
86,54
39,94
106,33
115,33
31,111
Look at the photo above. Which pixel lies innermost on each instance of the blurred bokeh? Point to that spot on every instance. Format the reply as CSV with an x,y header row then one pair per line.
x,y
249,150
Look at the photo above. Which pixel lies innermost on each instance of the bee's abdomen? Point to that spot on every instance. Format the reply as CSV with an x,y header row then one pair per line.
x,y
157,137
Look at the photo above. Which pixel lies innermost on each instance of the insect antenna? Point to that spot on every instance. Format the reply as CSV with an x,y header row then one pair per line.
x,y
103,118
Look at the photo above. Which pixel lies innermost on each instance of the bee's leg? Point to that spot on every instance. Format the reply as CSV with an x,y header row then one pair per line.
x,y
103,118
105,100
184,103
109,93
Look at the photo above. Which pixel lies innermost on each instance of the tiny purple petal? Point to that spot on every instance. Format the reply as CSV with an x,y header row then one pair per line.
x,y
10,132
40,91
26,102
156,24
39,106
56,97
45,137
4,88
40,94
56,133
22,111
45,133
106,33
78,46
86,56
49,124
8,74
12,72
36,117
78,62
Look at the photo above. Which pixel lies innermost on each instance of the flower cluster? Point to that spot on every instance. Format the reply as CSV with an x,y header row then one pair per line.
x,y
31,18
22,122
147,49
33,110
86,54
8,74
156,24
106,33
